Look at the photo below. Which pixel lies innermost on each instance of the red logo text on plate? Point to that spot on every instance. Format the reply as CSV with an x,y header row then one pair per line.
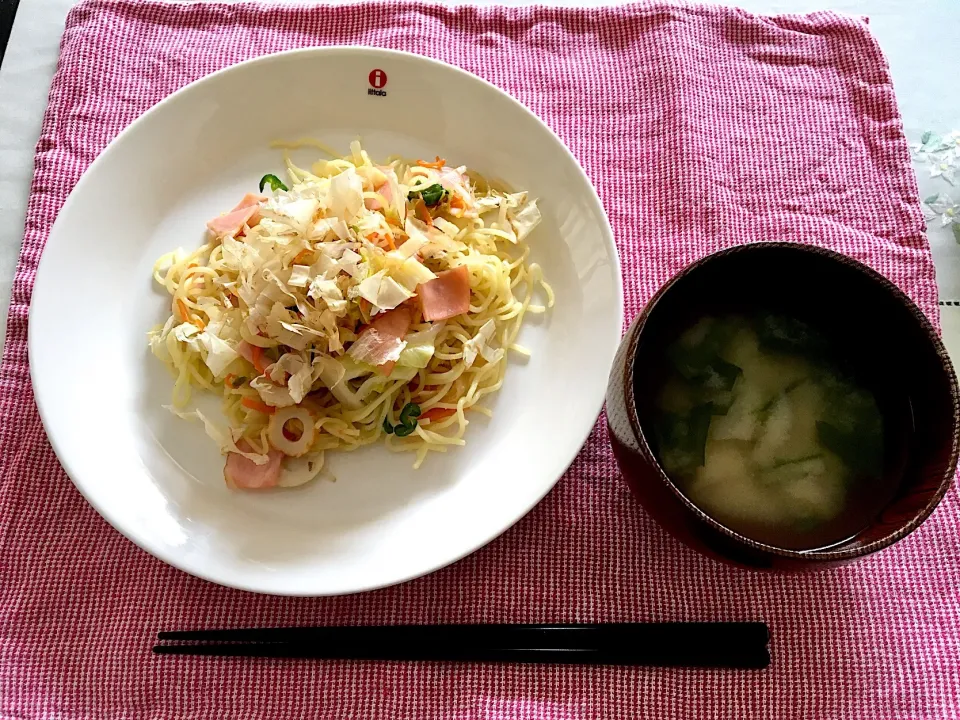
x,y
378,78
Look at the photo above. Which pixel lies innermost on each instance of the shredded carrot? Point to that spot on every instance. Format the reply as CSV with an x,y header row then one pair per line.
x,y
229,378
258,360
436,164
185,315
436,414
457,202
257,405
423,213
389,238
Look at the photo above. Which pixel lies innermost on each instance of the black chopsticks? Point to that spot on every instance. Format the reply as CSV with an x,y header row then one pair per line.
x,y
703,644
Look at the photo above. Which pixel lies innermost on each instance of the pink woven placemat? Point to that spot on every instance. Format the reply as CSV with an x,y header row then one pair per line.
x,y
701,127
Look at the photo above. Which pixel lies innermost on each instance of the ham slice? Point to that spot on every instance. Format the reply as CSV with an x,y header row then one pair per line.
x,y
233,222
243,474
254,355
247,212
386,191
252,200
394,323
373,203
380,342
245,350
447,295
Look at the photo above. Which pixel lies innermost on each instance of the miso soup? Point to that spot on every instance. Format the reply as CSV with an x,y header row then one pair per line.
x,y
762,427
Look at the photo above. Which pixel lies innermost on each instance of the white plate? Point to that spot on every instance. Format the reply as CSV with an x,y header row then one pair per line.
x,y
158,479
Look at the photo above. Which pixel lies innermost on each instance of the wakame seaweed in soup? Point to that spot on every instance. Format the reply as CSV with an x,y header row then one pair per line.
x,y
763,430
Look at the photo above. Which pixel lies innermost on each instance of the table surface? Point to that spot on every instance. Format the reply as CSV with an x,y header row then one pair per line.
x,y
919,40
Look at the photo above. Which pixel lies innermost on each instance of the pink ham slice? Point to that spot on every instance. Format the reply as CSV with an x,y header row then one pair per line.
x,y
243,474
245,350
247,212
380,337
393,323
252,200
373,203
447,295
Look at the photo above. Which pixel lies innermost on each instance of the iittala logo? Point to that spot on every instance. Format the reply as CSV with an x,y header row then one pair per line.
x,y
377,78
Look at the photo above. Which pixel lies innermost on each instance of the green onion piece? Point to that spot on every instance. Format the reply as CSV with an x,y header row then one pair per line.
x,y
273,181
387,427
404,430
432,194
408,415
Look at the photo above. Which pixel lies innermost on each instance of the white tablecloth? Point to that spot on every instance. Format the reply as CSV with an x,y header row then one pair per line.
x,y
919,38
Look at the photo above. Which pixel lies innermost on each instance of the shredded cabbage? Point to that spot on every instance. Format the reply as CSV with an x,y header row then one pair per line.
x,y
420,347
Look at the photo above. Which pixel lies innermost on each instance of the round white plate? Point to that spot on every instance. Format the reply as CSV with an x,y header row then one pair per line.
x,y
159,479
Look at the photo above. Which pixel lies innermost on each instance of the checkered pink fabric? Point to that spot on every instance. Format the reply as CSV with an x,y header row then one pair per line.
x,y
702,127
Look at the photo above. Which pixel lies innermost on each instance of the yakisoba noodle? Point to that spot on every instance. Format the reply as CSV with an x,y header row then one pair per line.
x,y
355,302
